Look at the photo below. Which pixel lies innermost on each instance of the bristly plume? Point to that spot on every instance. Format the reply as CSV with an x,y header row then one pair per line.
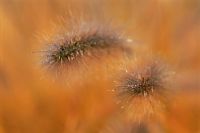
x,y
143,82
142,91
88,39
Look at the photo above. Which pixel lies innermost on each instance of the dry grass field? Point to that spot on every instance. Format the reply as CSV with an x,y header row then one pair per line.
x,y
82,96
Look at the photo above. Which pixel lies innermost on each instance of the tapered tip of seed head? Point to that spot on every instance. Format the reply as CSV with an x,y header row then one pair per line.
x,y
143,81
141,91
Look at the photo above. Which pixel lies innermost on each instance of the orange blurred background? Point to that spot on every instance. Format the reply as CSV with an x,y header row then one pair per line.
x,y
31,102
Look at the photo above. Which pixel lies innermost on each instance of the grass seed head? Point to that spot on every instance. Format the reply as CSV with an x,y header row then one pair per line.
x,y
143,82
141,92
87,40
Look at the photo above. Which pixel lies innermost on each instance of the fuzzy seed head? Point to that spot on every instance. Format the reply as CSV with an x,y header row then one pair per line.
x,y
73,46
143,82
141,92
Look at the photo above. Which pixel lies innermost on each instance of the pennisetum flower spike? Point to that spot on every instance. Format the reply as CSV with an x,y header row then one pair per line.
x,y
86,41
141,91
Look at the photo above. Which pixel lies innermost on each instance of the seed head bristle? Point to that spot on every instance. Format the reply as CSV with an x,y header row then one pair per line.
x,y
78,43
141,92
143,82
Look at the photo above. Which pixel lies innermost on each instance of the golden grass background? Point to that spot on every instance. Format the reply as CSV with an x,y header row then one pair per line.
x,y
31,102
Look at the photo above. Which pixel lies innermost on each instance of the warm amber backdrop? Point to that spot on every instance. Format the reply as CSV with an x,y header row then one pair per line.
x,y
33,102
